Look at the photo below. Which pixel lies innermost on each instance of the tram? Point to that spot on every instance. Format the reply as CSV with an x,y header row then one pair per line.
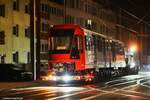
x,y
77,54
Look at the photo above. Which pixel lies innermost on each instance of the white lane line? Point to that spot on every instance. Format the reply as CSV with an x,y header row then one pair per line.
x,y
51,93
142,83
21,92
124,78
145,86
123,94
112,92
68,95
137,81
119,84
92,97
136,92
129,87
109,82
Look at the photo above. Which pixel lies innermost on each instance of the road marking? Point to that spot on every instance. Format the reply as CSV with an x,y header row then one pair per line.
x,y
16,92
119,84
68,95
112,92
125,78
137,78
52,93
136,92
92,97
142,83
138,81
145,86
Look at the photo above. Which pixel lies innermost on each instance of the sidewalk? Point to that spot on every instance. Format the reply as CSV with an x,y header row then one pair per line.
x,y
11,85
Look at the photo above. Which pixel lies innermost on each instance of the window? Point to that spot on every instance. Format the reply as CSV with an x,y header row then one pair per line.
x,y
73,4
15,57
44,47
2,10
28,57
56,11
100,44
2,59
90,9
45,27
27,8
45,8
27,32
79,39
80,21
16,30
2,37
16,5
89,43
69,19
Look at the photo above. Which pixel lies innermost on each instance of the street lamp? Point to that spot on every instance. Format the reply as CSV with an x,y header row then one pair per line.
x,y
133,48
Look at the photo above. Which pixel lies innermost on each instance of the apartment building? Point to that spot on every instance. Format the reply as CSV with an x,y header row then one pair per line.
x,y
14,32
90,14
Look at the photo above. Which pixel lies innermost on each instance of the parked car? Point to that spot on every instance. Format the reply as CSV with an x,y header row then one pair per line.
x,y
11,72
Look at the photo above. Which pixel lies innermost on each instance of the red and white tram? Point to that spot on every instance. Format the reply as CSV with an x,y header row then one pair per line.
x,y
80,54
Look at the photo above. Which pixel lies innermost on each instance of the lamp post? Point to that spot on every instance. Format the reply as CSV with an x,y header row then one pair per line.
x,y
35,37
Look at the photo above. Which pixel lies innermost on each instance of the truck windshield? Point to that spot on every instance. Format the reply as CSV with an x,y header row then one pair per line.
x,y
60,40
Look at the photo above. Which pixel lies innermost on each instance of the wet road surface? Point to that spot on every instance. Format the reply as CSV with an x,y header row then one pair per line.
x,y
131,87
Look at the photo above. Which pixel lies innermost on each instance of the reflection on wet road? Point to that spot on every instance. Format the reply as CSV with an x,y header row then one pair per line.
x,y
132,87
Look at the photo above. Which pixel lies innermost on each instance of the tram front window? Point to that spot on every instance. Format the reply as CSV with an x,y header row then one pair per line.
x,y
60,40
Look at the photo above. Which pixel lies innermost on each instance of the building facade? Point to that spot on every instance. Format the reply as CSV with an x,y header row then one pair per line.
x,y
14,32
100,17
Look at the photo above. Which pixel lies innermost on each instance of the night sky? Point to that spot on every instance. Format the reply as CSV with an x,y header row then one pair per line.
x,y
140,8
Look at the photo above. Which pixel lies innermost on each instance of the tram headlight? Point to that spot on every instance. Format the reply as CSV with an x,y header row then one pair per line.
x,y
66,78
54,78
132,65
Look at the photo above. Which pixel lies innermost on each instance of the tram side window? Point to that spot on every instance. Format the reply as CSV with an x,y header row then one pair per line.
x,y
100,44
119,49
78,43
86,43
89,43
106,45
113,47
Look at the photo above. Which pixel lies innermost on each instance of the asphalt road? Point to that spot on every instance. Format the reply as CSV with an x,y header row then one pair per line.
x,y
132,87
